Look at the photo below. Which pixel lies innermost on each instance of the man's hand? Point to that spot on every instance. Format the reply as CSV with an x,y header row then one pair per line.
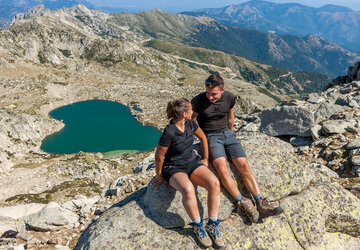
x,y
205,162
238,137
157,182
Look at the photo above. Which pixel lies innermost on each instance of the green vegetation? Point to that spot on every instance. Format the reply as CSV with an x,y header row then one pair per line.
x,y
118,153
42,58
65,52
69,189
268,93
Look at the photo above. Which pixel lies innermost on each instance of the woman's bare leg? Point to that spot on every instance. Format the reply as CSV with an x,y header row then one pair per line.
x,y
182,183
203,177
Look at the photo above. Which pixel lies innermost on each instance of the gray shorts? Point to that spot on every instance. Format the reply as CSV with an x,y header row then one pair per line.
x,y
225,144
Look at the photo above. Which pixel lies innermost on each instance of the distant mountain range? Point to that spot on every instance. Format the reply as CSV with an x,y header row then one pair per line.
x,y
9,8
71,38
311,53
335,23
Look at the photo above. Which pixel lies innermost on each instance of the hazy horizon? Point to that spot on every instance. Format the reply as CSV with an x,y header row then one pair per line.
x,y
178,6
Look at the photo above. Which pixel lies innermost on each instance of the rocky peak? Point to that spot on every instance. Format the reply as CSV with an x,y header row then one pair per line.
x,y
38,10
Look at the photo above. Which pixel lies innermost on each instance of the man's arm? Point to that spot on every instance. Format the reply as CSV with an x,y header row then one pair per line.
x,y
231,118
200,134
194,116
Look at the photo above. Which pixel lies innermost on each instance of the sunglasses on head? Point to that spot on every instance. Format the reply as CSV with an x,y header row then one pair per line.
x,y
211,83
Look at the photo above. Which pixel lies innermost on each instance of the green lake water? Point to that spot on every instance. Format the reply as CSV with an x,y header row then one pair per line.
x,y
99,126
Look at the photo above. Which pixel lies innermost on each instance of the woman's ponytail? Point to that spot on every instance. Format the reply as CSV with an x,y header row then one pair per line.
x,y
176,108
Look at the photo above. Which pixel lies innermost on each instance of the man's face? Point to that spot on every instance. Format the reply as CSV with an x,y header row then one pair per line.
x,y
213,93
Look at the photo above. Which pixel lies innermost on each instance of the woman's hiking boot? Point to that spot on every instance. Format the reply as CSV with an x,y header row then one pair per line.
x,y
201,234
245,206
266,209
213,229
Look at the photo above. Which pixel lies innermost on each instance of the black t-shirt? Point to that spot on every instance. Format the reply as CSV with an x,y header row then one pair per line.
x,y
213,117
180,151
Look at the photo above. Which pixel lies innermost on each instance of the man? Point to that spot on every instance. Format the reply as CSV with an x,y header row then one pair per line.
x,y
214,112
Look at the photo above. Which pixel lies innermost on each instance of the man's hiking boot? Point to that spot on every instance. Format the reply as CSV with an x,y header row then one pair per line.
x,y
266,209
214,233
246,206
201,235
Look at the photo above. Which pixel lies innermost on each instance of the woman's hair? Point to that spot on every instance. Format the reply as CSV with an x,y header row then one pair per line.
x,y
176,108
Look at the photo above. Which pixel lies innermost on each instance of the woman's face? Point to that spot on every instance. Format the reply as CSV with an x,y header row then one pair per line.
x,y
189,112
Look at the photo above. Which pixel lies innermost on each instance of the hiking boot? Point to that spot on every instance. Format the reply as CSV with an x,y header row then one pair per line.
x,y
214,233
201,235
246,206
266,209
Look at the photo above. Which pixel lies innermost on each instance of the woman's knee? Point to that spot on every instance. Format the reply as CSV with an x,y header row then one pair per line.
x,y
215,185
188,191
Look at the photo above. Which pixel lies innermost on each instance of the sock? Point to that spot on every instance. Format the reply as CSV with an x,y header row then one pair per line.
x,y
239,197
198,221
257,197
212,220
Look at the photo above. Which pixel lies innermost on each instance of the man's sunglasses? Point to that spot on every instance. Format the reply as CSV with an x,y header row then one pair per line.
x,y
211,83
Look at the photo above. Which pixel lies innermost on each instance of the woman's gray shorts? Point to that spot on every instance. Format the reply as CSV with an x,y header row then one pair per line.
x,y
224,144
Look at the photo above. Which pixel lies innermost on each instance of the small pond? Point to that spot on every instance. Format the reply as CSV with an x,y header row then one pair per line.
x,y
99,126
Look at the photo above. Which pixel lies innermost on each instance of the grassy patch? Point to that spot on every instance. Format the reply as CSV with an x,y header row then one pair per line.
x,y
66,189
65,52
268,93
42,58
118,153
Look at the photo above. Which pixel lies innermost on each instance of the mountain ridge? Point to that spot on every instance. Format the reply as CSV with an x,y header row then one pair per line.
x,y
9,8
329,21
310,53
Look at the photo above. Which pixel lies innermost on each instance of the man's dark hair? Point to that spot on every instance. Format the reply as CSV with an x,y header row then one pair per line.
x,y
214,81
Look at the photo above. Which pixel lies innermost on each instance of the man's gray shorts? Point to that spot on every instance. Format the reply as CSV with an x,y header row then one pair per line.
x,y
224,144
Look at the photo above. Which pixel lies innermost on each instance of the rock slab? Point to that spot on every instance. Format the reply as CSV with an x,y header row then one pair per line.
x,y
53,217
287,120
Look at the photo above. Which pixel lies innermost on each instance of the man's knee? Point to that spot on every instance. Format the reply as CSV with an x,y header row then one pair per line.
x,y
221,167
242,164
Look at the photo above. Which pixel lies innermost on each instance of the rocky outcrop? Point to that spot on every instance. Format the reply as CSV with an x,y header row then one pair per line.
x,y
164,206
353,74
305,193
22,133
52,218
286,120
333,122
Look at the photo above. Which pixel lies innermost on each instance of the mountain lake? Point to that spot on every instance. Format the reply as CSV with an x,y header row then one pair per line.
x,y
99,126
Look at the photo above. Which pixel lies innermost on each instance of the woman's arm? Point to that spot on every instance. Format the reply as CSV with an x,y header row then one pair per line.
x,y
231,118
204,144
159,160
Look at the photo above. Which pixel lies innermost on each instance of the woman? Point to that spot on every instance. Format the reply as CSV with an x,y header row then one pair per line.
x,y
177,164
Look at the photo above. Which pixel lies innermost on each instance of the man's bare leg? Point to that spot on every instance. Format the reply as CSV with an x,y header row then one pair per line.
x,y
244,205
248,177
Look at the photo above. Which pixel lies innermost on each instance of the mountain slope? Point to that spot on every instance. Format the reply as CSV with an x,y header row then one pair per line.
x,y
335,23
274,79
310,53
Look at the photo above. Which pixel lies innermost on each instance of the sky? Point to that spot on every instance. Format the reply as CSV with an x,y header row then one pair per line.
x,y
183,5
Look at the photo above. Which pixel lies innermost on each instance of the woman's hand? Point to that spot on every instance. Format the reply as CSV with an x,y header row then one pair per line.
x,y
157,182
205,162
